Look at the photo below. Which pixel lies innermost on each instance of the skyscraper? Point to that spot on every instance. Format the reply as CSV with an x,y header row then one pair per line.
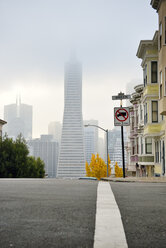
x,y
91,139
55,129
19,119
72,156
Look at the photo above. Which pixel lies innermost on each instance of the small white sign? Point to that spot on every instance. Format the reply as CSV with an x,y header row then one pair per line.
x,y
121,116
121,97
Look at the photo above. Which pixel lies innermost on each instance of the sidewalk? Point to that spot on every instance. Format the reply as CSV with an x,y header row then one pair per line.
x,y
136,179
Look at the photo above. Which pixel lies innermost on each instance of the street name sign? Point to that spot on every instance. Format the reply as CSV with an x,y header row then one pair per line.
x,y
121,96
121,116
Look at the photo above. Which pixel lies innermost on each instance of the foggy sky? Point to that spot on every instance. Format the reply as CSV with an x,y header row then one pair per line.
x,y
37,37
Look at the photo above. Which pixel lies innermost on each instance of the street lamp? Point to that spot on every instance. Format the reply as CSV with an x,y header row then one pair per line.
x,y
105,130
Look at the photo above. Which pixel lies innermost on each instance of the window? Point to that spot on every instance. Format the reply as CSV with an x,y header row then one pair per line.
x,y
141,145
160,84
154,111
145,75
133,150
154,72
136,118
160,151
148,145
141,110
157,151
137,140
132,123
160,36
145,114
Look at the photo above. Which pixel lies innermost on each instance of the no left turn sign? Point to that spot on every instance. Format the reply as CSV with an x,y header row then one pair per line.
x,y
121,116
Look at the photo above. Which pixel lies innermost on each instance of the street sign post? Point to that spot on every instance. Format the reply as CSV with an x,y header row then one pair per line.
x,y
121,118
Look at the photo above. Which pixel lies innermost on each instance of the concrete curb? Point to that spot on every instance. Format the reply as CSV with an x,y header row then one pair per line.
x,y
134,179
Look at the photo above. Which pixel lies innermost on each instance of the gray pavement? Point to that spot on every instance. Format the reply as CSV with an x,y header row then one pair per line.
x,y
47,213
143,211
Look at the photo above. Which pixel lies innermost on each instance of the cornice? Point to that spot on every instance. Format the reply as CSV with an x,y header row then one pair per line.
x,y
145,44
2,122
156,4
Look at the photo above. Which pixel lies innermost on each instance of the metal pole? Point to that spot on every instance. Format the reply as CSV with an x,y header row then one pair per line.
x,y
122,138
107,151
123,157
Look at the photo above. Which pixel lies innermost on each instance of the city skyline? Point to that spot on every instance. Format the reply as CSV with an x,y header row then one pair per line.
x,y
33,52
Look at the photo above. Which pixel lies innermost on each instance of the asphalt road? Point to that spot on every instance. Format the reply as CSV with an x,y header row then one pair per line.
x,y
47,213
143,210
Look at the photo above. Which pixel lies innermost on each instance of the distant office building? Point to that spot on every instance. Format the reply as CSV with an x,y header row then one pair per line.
x,y
91,139
19,120
115,146
1,124
101,148
72,154
55,129
47,149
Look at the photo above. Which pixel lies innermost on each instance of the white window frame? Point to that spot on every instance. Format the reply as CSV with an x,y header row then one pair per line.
x,y
147,145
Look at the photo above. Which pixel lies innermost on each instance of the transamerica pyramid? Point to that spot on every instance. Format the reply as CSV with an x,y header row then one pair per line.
x,y
72,156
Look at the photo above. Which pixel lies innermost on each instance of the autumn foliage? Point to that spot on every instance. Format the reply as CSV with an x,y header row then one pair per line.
x,y
97,167
118,171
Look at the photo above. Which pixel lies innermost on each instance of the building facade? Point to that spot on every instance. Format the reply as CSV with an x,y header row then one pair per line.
x,y
134,132
147,129
160,7
72,155
47,149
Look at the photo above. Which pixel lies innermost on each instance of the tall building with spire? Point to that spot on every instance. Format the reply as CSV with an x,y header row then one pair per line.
x,y
19,119
72,156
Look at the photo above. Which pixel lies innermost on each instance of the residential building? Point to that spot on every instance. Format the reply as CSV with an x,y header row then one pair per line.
x,y
135,134
46,148
2,122
160,7
151,139
130,89
72,154
19,120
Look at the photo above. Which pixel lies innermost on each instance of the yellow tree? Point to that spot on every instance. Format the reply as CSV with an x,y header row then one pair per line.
x,y
118,171
97,167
